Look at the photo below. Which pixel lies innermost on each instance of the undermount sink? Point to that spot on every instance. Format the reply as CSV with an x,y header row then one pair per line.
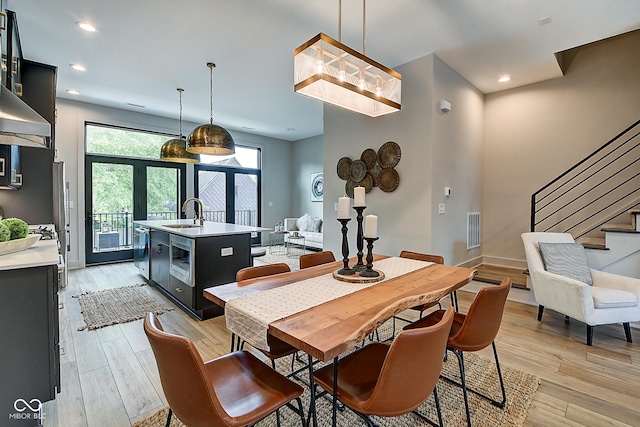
x,y
182,225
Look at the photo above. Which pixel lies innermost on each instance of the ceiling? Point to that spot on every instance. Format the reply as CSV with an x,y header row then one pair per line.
x,y
144,49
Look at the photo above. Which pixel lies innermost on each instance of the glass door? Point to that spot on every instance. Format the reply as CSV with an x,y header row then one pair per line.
x,y
119,191
230,195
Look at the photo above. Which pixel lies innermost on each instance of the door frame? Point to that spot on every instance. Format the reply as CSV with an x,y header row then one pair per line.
x,y
230,173
139,200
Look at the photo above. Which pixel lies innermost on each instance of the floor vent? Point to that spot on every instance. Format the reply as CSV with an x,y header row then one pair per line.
x,y
473,230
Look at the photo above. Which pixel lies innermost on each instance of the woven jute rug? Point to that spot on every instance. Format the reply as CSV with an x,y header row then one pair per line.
x,y
293,263
117,305
481,376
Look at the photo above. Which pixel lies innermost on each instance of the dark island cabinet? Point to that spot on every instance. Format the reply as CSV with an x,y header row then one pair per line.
x,y
30,352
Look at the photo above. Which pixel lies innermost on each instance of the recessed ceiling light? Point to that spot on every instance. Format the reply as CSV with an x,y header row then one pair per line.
x,y
77,67
87,26
134,105
290,129
504,79
73,92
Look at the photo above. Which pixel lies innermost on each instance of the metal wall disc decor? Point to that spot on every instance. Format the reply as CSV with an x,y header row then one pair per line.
x,y
358,170
367,183
388,180
374,171
344,168
369,157
389,155
348,187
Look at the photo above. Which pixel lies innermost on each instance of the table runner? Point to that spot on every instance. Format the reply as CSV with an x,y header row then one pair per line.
x,y
250,316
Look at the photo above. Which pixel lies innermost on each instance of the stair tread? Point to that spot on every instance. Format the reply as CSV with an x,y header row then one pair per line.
x,y
593,243
619,228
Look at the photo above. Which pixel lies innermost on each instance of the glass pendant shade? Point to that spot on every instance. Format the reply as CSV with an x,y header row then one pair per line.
x,y
332,72
211,139
175,150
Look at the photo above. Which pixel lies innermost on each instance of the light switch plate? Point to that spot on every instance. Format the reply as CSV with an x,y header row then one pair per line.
x,y
226,251
442,208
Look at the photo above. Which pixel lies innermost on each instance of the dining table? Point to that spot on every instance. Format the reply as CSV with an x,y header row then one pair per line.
x,y
325,317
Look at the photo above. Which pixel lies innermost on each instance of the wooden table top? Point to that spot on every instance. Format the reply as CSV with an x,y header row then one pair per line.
x,y
332,328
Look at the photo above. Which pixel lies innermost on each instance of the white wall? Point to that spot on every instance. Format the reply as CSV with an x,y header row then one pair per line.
x,y
535,133
307,159
72,115
437,150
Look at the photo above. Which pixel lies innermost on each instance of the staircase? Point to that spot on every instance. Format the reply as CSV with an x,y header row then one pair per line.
x,y
598,201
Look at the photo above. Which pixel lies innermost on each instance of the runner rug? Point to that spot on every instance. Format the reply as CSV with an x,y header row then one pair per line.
x,y
117,305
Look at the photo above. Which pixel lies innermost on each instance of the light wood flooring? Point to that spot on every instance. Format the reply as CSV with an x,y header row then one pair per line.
x,y
109,376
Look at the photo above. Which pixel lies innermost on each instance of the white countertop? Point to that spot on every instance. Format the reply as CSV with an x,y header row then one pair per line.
x,y
209,229
43,252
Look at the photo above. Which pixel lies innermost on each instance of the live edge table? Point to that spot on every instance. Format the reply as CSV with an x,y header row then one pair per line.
x,y
334,327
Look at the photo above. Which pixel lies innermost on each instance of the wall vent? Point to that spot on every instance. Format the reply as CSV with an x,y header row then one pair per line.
x,y
473,230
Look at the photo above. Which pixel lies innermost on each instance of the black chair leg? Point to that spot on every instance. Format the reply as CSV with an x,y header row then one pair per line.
x,y
504,393
464,385
589,335
540,310
627,331
169,418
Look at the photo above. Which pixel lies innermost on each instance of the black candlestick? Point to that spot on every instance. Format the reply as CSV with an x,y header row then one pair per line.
x,y
359,266
345,271
369,272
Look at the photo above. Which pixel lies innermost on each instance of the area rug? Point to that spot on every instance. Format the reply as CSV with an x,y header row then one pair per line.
x,y
481,376
117,305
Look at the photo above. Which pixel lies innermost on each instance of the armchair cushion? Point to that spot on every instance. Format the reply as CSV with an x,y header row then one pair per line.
x,y
612,298
566,259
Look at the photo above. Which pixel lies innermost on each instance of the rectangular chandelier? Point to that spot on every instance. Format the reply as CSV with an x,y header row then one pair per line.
x,y
328,70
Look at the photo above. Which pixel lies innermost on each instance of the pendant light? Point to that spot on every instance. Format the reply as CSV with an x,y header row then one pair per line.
x,y
209,138
332,72
175,150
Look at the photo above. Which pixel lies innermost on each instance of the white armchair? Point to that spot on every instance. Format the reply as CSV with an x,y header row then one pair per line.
x,y
610,299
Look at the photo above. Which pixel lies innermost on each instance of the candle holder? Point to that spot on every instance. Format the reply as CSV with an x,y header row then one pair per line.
x,y
370,272
345,271
359,266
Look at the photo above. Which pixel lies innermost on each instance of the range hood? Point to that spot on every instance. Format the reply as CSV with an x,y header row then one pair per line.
x,y
20,124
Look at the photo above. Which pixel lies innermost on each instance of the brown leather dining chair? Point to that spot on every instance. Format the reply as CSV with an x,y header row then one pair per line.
x,y
474,331
278,348
391,380
316,258
437,259
235,390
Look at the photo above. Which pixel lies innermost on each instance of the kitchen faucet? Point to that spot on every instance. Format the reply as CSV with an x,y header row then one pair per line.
x,y
197,215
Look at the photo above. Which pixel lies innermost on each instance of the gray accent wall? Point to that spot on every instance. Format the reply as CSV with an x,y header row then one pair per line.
x,y
437,150
307,159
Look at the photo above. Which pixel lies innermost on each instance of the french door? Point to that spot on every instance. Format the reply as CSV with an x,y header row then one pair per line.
x,y
121,190
230,194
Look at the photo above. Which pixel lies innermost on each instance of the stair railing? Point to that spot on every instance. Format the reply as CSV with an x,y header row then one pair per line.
x,y
594,191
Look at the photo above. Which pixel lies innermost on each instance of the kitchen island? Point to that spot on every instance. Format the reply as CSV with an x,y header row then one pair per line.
x,y
185,258
30,367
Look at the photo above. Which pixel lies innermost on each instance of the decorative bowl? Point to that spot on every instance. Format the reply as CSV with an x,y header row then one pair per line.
x,y
18,245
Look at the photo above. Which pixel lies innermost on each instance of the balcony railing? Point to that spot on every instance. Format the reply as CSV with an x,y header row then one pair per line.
x,y
113,231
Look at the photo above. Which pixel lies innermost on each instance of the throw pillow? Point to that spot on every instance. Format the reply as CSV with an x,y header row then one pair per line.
x,y
566,259
314,224
303,222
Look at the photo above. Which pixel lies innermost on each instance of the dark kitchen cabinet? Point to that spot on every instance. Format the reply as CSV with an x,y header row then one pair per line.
x,y
12,62
30,367
159,258
10,176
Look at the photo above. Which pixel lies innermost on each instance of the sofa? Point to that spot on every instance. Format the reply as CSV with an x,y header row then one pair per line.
x,y
307,226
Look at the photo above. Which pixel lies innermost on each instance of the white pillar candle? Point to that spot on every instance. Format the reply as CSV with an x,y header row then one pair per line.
x,y
343,207
371,226
358,196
